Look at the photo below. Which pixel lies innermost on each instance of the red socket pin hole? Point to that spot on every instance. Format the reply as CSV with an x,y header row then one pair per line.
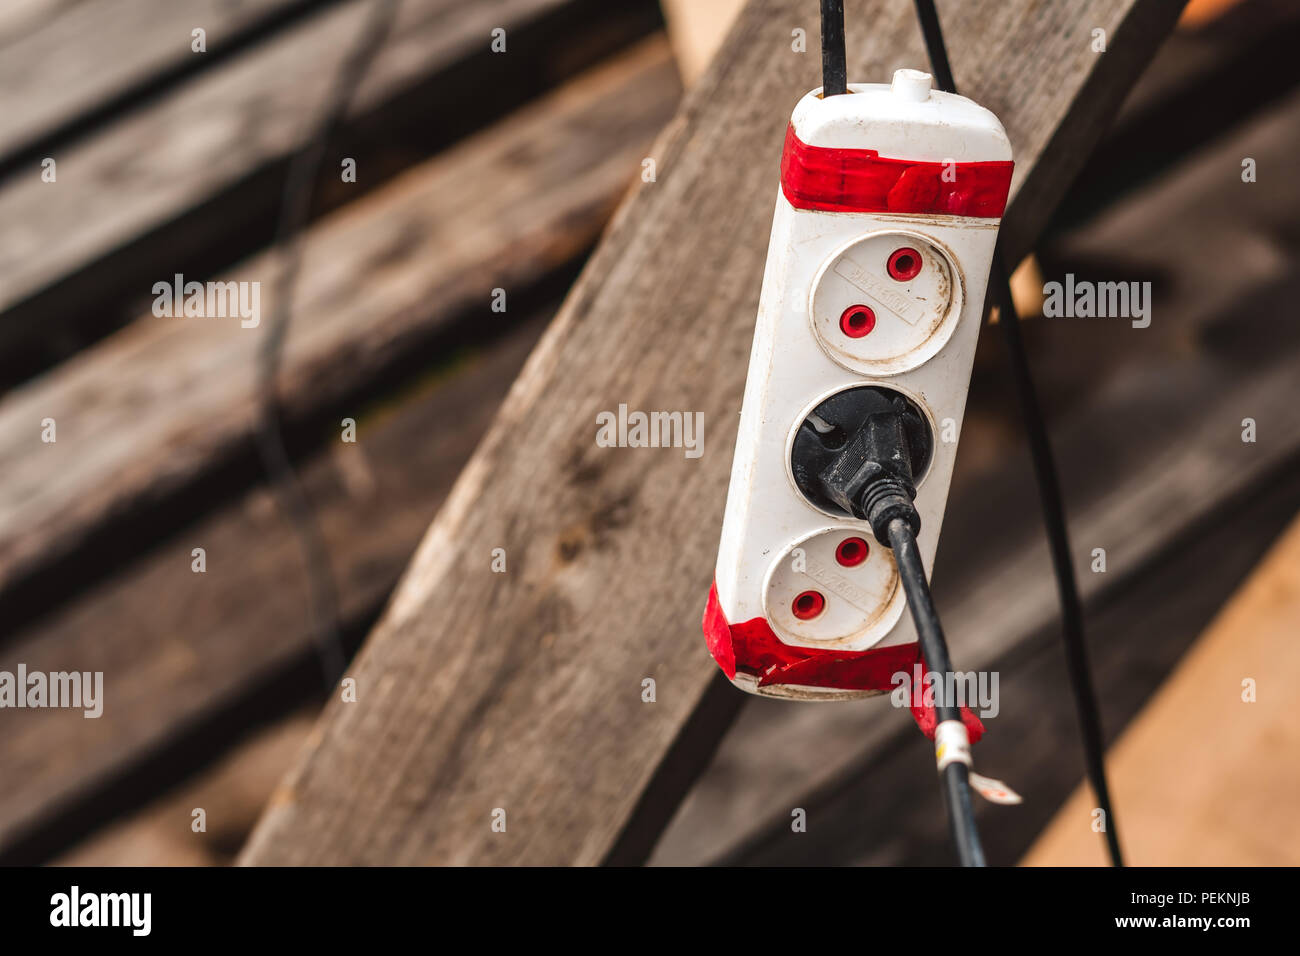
x,y
808,605
904,264
852,552
857,321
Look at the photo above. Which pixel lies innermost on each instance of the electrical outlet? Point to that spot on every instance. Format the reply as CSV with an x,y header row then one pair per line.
x,y
833,588
885,227
886,303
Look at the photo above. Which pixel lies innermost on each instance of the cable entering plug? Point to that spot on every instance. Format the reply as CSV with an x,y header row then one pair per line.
x,y
860,454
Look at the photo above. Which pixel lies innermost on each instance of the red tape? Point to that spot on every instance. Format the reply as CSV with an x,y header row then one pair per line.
x,y
861,180
752,647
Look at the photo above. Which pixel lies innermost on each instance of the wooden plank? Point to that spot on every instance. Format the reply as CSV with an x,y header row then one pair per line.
x,y
18,18
1207,774
523,691
179,182
77,60
188,659
231,793
209,646
1242,57
156,407
1224,273
696,29
1200,12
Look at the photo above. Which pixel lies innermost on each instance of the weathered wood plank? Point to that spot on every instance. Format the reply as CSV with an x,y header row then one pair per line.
x,y
231,793
154,408
189,658
434,249
1203,772
198,172
1222,264
75,61
523,691
1242,56
696,29
18,18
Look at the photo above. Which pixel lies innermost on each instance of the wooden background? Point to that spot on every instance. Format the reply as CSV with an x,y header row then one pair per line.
x,y
523,690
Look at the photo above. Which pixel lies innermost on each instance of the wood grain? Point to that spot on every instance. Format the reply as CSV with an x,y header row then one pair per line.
x,y
523,691
1205,775
19,18
191,180
231,793
160,404
697,28
180,650
75,61
190,659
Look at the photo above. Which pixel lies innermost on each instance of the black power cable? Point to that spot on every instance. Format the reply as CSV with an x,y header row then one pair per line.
x,y
1049,488
956,775
835,70
294,211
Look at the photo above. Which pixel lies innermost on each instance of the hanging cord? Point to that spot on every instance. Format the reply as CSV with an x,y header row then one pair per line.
x,y
835,70
294,211
934,648
1049,488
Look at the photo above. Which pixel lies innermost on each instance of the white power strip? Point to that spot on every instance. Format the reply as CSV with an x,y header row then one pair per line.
x,y
886,221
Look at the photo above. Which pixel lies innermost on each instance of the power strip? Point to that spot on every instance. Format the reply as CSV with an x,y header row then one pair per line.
x,y
886,220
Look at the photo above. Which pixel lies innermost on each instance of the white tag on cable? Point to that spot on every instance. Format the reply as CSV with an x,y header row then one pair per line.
x,y
994,791
952,745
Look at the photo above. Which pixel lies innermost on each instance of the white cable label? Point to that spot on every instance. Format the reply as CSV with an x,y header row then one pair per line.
x,y
951,744
994,791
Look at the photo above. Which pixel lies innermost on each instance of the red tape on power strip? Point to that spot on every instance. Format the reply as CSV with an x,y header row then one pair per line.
x,y
752,647
861,180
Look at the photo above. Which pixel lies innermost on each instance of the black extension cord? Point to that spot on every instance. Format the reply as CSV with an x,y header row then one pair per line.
x,y
835,72
934,647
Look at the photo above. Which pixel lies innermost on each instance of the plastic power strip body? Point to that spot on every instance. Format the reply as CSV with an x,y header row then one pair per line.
x,y
886,220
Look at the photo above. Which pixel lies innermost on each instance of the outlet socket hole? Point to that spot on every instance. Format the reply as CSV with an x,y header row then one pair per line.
x,y
852,552
857,321
904,264
808,605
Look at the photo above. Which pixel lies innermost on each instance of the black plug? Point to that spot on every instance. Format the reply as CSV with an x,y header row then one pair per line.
x,y
860,453
872,477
